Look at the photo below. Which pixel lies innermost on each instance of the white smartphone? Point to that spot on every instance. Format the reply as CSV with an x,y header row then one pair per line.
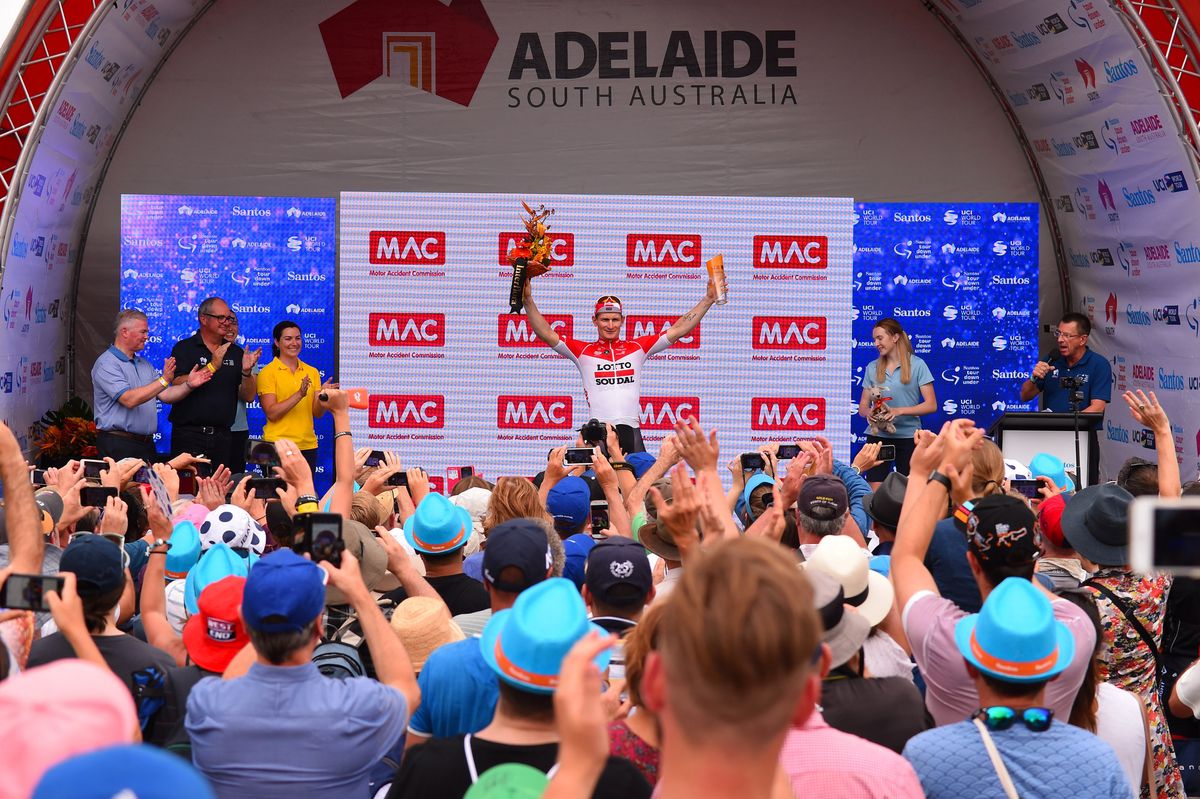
x,y
1164,535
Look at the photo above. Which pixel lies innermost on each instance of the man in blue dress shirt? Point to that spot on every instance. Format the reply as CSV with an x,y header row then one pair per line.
x,y
1074,360
125,386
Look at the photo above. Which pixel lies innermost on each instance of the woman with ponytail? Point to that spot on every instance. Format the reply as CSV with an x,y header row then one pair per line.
x,y
906,380
287,391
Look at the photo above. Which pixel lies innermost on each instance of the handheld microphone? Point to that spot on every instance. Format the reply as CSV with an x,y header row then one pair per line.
x,y
1049,355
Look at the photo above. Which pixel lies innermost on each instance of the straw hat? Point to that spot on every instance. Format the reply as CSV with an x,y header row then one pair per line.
x,y
424,624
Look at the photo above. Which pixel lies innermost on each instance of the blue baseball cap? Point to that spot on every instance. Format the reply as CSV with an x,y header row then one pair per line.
x,y
525,645
1014,637
577,548
754,481
184,552
283,593
640,462
569,502
218,562
1046,465
438,527
128,770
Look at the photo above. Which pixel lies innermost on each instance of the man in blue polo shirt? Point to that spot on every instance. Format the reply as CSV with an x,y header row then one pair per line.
x,y
1075,360
125,386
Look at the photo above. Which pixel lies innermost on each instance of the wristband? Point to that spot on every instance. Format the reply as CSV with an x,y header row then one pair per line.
x,y
963,511
211,368
621,467
305,499
163,381
308,507
938,477
336,436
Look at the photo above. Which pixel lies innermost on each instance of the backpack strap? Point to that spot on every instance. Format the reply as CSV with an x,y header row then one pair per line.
x,y
1127,612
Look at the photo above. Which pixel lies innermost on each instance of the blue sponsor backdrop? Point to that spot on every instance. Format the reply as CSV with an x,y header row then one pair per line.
x,y
270,258
962,279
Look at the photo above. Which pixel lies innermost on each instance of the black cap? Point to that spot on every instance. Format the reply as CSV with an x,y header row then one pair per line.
x,y
96,563
520,543
618,572
1001,530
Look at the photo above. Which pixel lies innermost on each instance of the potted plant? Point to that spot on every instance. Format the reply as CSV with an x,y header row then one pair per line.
x,y
68,433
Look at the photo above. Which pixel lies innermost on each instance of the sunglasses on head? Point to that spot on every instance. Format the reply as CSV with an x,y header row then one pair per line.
x,y
1000,718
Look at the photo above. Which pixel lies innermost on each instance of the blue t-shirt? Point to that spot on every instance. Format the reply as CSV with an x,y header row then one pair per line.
x,y
946,560
1062,761
459,692
285,731
903,395
1097,382
113,374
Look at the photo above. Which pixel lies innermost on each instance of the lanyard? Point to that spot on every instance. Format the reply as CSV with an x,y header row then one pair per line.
x,y
471,761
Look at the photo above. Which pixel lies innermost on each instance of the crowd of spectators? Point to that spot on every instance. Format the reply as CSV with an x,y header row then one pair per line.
x,y
797,634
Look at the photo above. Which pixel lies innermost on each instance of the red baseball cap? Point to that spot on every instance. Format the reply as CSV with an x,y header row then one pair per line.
x,y
1050,520
215,634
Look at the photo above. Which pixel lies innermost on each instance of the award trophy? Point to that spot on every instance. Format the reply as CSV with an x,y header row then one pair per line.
x,y
531,256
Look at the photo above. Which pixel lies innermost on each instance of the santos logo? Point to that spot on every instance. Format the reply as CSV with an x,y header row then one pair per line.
x,y
661,413
787,413
407,247
533,412
407,410
788,332
512,330
407,329
1116,433
791,252
662,249
638,326
562,247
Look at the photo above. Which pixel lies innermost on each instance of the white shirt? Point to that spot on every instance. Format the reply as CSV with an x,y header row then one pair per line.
x,y
1119,724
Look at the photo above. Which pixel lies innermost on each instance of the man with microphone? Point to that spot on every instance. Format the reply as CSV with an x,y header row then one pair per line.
x,y
1072,360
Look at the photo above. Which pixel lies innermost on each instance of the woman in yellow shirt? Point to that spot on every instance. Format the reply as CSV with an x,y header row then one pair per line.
x,y
288,390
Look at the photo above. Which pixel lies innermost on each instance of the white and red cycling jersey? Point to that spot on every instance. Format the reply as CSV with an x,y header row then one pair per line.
x,y
612,373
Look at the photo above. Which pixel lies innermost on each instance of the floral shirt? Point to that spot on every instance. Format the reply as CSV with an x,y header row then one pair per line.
x,y
624,742
1127,662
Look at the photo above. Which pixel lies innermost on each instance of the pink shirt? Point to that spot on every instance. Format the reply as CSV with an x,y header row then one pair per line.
x,y
950,694
831,764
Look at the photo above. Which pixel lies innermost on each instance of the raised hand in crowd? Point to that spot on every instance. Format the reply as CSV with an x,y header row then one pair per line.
x,y
867,457
115,519
170,479
185,459
680,515
209,493
699,451
618,517
293,468
243,497
376,479
418,484
770,456
581,721
118,474
249,358
1147,412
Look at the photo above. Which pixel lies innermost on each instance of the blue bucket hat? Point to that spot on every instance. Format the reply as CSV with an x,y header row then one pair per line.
x,y
1046,465
218,563
438,527
526,644
1014,637
184,551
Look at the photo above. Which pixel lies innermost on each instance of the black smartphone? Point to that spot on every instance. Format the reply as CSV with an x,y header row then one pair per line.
x,y
376,458
753,462
887,452
28,591
320,535
398,479
600,522
1164,535
187,483
96,496
1026,488
261,454
203,469
264,487
92,469
576,455
38,477
788,451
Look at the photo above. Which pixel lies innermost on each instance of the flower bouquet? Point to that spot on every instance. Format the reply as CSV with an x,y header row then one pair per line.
x,y
531,255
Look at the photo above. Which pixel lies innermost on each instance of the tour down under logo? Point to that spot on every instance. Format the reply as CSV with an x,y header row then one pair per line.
x,y
439,48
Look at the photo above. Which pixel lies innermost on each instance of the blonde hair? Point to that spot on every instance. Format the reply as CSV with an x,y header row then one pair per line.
x,y
737,639
514,498
987,476
365,509
904,351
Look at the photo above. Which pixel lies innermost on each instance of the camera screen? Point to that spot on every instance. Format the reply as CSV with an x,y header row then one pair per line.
x,y
324,541
27,591
1177,537
261,453
1027,488
375,458
579,455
